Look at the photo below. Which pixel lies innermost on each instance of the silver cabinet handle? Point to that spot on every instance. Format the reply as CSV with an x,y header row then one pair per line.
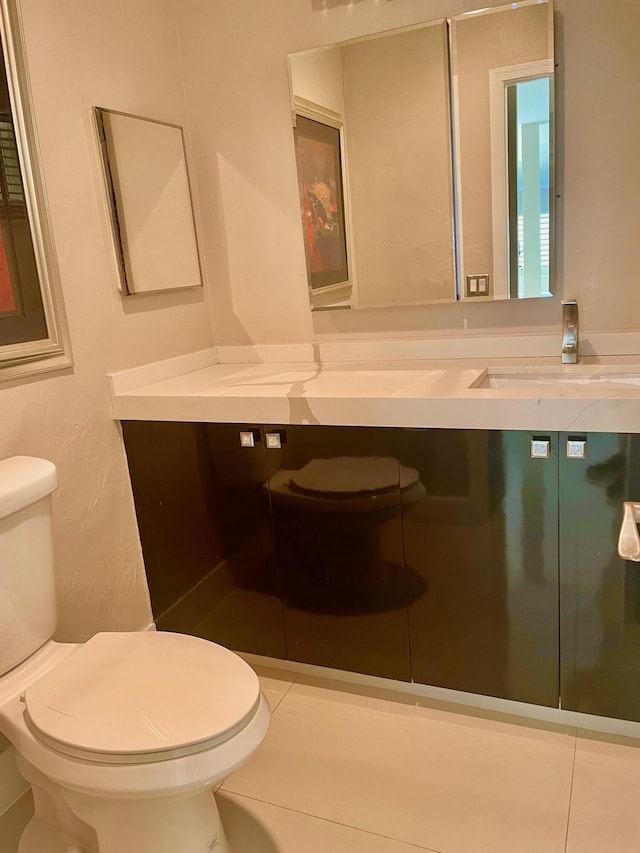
x,y
276,438
629,539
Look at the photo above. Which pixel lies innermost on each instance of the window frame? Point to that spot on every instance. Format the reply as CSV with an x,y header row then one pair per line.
x,y
52,352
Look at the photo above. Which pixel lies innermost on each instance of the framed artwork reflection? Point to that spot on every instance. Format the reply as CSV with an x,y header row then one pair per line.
x,y
320,182
8,302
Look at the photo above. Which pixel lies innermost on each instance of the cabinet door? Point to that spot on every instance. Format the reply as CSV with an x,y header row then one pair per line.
x,y
482,538
335,494
205,527
600,593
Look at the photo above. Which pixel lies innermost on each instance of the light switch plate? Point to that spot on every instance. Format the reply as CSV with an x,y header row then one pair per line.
x,y
478,285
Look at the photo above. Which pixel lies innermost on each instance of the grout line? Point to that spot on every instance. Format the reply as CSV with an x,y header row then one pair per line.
x,y
334,822
573,773
279,702
275,707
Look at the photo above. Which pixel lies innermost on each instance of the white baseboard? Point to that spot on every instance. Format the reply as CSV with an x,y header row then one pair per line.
x,y
538,713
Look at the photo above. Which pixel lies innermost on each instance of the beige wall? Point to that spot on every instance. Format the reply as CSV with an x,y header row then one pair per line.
x,y
316,76
236,79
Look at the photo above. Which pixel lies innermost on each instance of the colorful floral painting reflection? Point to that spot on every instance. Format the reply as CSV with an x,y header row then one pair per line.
x,y
318,158
7,296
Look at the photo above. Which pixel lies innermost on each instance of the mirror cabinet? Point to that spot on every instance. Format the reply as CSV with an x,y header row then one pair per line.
x,y
425,161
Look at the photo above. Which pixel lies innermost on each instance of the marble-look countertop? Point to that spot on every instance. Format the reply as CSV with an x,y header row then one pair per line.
x,y
400,393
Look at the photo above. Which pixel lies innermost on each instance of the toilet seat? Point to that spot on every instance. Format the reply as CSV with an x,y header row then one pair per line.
x,y
346,476
130,698
346,484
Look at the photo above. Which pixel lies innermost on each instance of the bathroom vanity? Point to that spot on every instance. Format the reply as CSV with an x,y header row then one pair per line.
x,y
406,520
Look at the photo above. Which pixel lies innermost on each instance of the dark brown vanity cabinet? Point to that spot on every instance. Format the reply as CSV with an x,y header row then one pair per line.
x,y
204,517
483,538
336,500
405,553
252,538
600,593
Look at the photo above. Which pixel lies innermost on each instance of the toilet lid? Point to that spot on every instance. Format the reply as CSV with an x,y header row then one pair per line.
x,y
352,475
124,695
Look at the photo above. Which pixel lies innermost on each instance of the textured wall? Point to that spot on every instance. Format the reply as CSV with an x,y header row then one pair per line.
x,y
122,55
238,97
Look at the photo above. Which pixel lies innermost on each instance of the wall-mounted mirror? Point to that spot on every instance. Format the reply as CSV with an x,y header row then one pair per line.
x,y
502,73
151,211
388,96
425,161
33,331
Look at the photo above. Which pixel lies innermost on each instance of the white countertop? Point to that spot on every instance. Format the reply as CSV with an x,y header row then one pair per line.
x,y
395,393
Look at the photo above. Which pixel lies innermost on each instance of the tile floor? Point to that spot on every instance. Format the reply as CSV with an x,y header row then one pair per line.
x,y
360,770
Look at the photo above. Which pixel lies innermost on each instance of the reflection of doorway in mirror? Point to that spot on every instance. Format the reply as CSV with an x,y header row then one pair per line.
x,y
528,107
521,110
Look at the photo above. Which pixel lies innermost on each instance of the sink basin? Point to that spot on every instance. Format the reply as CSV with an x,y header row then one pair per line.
x,y
560,377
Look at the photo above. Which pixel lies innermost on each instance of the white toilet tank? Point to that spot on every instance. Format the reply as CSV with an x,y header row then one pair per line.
x,y
27,593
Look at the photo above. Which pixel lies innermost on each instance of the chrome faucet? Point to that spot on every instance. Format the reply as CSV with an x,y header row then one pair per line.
x,y
570,328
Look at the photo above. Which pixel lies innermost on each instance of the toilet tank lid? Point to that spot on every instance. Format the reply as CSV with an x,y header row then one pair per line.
x,y
23,481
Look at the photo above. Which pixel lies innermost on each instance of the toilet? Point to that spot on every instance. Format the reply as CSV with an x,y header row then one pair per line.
x,y
122,738
332,511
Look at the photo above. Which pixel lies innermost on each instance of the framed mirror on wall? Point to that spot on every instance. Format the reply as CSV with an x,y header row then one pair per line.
x,y
33,332
147,185
445,188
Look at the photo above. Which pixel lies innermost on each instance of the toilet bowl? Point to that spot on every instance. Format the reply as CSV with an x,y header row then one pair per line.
x,y
123,737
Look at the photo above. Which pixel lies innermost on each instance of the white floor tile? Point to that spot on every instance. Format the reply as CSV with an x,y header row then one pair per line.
x,y
255,827
604,813
275,683
422,775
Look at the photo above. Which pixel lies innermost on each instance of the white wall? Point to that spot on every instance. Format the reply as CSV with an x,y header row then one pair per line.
x,y
236,80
